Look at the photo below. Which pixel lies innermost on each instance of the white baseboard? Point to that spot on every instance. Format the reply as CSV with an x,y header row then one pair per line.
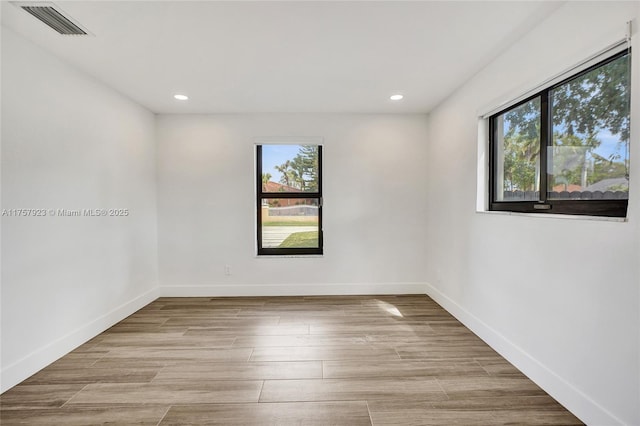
x,y
226,290
583,407
40,358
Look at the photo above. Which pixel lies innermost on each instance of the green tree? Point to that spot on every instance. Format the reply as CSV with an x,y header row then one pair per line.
x,y
307,163
521,146
605,168
520,163
571,159
266,177
286,176
302,171
596,100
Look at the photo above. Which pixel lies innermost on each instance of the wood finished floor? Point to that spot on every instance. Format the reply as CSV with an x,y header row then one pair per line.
x,y
354,360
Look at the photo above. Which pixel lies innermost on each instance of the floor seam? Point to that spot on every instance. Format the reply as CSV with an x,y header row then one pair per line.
x,y
164,415
369,412
74,395
442,388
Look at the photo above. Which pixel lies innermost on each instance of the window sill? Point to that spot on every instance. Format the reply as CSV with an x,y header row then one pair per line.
x,y
555,216
288,256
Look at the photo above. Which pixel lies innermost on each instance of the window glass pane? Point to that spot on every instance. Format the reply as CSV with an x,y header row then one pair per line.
x,y
517,148
589,156
290,223
290,168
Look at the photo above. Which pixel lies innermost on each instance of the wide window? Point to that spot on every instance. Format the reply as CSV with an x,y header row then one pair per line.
x,y
289,199
565,150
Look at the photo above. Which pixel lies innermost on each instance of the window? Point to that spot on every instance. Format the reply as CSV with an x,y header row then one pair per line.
x,y
565,150
289,199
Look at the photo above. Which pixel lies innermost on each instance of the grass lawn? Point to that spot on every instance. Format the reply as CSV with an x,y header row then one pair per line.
x,y
300,240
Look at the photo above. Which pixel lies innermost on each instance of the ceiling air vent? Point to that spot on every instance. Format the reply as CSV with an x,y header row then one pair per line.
x,y
53,17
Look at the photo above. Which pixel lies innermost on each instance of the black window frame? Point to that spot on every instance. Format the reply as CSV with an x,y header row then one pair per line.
x,y
592,207
262,195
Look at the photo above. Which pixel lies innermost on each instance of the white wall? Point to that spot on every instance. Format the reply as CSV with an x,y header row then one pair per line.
x,y
374,205
558,297
69,142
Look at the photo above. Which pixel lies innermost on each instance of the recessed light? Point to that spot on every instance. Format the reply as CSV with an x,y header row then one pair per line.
x,y
181,97
396,97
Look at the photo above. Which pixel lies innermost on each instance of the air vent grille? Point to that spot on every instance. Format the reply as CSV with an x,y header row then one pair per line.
x,y
54,19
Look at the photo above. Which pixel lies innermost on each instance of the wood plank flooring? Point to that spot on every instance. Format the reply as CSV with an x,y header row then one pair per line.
x,y
344,360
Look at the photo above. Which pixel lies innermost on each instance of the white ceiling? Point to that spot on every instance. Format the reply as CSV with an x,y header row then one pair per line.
x,y
239,57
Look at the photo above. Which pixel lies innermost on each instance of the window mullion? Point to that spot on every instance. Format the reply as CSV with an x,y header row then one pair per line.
x,y
545,138
492,162
259,195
